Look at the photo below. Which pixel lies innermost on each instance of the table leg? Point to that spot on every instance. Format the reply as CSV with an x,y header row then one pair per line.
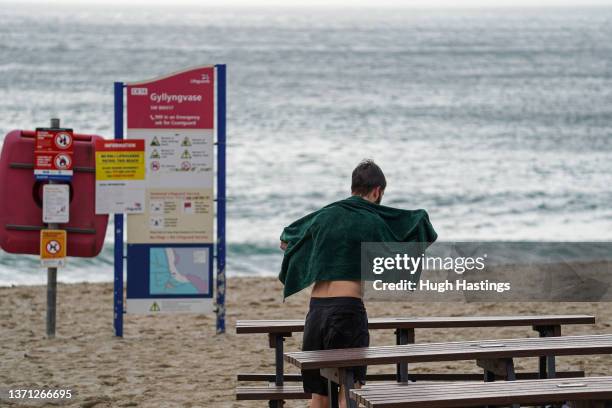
x,y
332,393
547,363
403,336
551,371
278,360
348,382
542,367
277,341
511,375
502,367
489,376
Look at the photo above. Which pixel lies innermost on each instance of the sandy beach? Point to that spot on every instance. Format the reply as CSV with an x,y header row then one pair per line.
x,y
179,361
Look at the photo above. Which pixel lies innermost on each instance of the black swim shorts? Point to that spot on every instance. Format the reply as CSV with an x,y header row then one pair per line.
x,y
334,323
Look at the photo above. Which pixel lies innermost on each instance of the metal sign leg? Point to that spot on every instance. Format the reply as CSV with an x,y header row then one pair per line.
x,y
51,301
221,286
118,282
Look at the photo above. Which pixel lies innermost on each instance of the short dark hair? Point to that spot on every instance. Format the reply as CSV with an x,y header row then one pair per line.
x,y
366,177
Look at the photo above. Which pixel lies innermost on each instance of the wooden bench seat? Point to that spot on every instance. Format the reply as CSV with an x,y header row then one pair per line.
x,y
271,393
451,395
432,322
494,356
411,377
453,351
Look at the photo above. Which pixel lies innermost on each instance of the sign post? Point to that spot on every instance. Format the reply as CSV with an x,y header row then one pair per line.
x,y
53,162
221,109
51,299
171,243
118,281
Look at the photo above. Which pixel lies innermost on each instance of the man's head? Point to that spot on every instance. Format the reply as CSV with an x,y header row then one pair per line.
x,y
368,181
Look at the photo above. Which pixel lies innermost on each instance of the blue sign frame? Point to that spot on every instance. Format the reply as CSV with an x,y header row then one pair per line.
x,y
219,246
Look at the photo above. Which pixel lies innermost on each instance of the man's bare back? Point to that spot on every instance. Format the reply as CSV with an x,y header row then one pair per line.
x,y
341,288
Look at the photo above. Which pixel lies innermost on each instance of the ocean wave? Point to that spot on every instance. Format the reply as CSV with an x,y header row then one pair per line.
x,y
498,136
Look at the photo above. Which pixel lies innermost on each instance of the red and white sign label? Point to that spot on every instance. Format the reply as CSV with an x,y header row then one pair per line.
x,y
179,101
53,154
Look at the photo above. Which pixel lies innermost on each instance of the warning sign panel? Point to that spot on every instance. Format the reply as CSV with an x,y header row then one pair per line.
x,y
174,216
53,248
170,243
56,203
149,306
120,176
53,154
120,160
174,115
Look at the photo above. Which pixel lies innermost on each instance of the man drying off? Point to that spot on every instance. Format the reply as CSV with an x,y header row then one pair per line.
x,y
324,248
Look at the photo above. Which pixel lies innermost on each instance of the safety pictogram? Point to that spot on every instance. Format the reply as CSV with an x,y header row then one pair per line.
x,y
63,161
63,140
53,247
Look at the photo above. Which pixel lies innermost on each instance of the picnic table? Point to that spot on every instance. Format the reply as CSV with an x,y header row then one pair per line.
x,y
494,356
278,330
461,394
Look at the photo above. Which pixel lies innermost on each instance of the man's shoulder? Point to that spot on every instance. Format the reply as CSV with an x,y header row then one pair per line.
x,y
348,222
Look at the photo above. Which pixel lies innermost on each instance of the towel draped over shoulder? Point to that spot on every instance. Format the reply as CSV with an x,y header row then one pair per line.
x,y
326,244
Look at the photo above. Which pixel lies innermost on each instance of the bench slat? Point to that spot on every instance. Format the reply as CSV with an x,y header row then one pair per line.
x,y
411,376
271,393
279,326
448,395
463,350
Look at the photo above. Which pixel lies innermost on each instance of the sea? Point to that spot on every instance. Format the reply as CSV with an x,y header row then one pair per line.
x,y
498,122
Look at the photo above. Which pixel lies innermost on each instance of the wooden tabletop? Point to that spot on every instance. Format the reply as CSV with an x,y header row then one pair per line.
x,y
290,326
451,351
462,394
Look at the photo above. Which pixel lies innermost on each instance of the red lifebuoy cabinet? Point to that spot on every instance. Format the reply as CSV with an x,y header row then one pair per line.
x,y
21,198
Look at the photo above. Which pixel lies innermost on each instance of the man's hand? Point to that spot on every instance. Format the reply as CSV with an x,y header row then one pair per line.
x,y
283,245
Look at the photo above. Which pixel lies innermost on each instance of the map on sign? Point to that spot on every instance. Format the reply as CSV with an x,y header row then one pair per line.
x,y
179,271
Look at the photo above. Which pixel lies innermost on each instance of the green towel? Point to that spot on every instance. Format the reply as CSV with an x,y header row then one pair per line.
x,y
326,244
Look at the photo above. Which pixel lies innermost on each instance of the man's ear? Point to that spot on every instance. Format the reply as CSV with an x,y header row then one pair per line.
x,y
380,191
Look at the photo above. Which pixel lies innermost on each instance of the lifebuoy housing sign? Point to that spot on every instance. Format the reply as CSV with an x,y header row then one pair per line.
x,y
53,154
